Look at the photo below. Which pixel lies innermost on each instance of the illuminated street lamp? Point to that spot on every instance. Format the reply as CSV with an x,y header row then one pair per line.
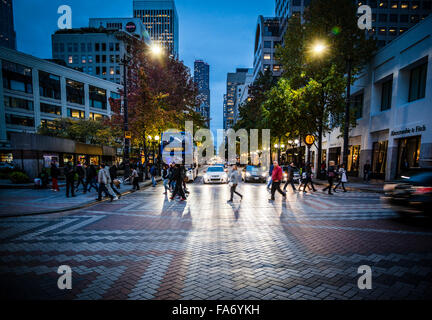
x,y
156,49
319,48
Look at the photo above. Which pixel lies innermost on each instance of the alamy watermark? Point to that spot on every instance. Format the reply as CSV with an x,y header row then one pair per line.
x,y
64,282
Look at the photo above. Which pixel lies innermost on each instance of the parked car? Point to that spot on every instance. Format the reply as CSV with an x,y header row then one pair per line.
x,y
410,195
254,174
215,174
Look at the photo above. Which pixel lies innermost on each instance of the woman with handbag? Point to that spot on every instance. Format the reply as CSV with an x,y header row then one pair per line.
x,y
235,179
343,178
331,174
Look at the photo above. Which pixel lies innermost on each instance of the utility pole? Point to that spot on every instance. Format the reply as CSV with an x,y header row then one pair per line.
x,y
347,114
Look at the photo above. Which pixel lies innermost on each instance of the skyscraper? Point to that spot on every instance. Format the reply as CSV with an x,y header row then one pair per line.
x,y
7,32
233,81
161,20
202,79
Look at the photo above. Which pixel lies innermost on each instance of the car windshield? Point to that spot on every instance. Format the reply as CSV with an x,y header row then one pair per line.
x,y
215,169
252,168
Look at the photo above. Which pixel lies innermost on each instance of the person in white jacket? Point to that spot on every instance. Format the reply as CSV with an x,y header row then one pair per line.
x,y
103,181
108,185
343,178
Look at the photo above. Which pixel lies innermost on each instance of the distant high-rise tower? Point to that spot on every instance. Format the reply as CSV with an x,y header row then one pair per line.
x,y
233,81
7,32
161,21
202,79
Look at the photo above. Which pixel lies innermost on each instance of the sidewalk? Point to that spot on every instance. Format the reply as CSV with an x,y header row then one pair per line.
x,y
24,202
373,186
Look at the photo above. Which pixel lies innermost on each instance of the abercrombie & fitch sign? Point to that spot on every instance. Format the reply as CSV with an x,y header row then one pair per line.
x,y
417,129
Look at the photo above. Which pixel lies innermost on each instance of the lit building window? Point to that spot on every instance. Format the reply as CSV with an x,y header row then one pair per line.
x,y
70,59
267,56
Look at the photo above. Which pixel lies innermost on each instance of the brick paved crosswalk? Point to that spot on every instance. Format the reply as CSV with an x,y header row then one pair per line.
x,y
148,247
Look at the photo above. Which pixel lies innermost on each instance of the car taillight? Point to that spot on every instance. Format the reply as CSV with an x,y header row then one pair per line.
x,y
422,190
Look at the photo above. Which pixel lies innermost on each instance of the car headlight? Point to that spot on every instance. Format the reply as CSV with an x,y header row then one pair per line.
x,y
263,175
224,176
206,176
248,174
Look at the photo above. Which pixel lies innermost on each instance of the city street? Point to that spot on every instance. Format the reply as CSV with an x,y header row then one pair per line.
x,y
146,246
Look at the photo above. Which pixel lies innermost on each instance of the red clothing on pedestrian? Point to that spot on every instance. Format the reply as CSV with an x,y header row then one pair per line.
x,y
277,174
55,184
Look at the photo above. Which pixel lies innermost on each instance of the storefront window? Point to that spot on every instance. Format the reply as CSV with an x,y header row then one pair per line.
x,y
324,156
408,154
335,155
94,160
353,160
379,159
68,158
6,157
82,159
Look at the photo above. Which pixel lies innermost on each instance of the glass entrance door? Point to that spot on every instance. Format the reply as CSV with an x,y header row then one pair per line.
x,y
379,159
408,154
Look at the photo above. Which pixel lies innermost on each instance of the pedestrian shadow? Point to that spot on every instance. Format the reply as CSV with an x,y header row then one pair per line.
x,y
236,209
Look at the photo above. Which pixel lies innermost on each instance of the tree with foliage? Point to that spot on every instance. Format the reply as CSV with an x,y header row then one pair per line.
x,y
161,95
82,130
320,78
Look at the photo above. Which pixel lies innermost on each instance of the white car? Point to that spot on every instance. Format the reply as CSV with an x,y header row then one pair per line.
x,y
215,174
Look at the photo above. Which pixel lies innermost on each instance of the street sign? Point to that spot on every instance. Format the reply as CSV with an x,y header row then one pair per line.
x,y
309,140
128,135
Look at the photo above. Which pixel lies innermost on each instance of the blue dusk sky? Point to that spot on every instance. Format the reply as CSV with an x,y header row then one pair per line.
x,y
221,32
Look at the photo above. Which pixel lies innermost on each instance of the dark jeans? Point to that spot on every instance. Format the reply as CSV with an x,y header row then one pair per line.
x,y
179,190
290,181
102,188
343,186
233,190
329,187
309,181
276,187
114,188
136,183
70,187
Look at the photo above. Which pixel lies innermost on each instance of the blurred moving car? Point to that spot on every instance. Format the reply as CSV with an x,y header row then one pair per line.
x,y
254,174
215,174
410,195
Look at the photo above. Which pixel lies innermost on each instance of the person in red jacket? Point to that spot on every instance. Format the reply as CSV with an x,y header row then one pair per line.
x,y
277,179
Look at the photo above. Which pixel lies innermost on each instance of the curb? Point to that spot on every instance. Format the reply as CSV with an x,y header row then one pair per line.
x,y
81,206
353,188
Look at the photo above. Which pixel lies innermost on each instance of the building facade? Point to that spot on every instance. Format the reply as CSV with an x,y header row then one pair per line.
x,y
233,81
7,29
99,49
160,18
202,80
392,99
267,38
390,18
242,94
36,91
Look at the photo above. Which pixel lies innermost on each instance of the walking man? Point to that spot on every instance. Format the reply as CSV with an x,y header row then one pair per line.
x,y
343,178
54,176
178,178
91,177
270,175
153,173
113,176
165,177
135,179
366,171
308,171
276,181
235,179
331,174
290,180
69,172
103,181
81,175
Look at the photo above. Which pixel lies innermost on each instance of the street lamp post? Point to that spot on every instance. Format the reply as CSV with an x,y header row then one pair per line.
x,y
126,160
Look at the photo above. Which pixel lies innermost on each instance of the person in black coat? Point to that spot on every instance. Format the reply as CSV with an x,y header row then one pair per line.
x,y
81,175
69,172
91,175
178,178
113,176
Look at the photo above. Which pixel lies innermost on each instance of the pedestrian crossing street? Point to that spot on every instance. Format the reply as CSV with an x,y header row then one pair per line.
x,y
145,246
